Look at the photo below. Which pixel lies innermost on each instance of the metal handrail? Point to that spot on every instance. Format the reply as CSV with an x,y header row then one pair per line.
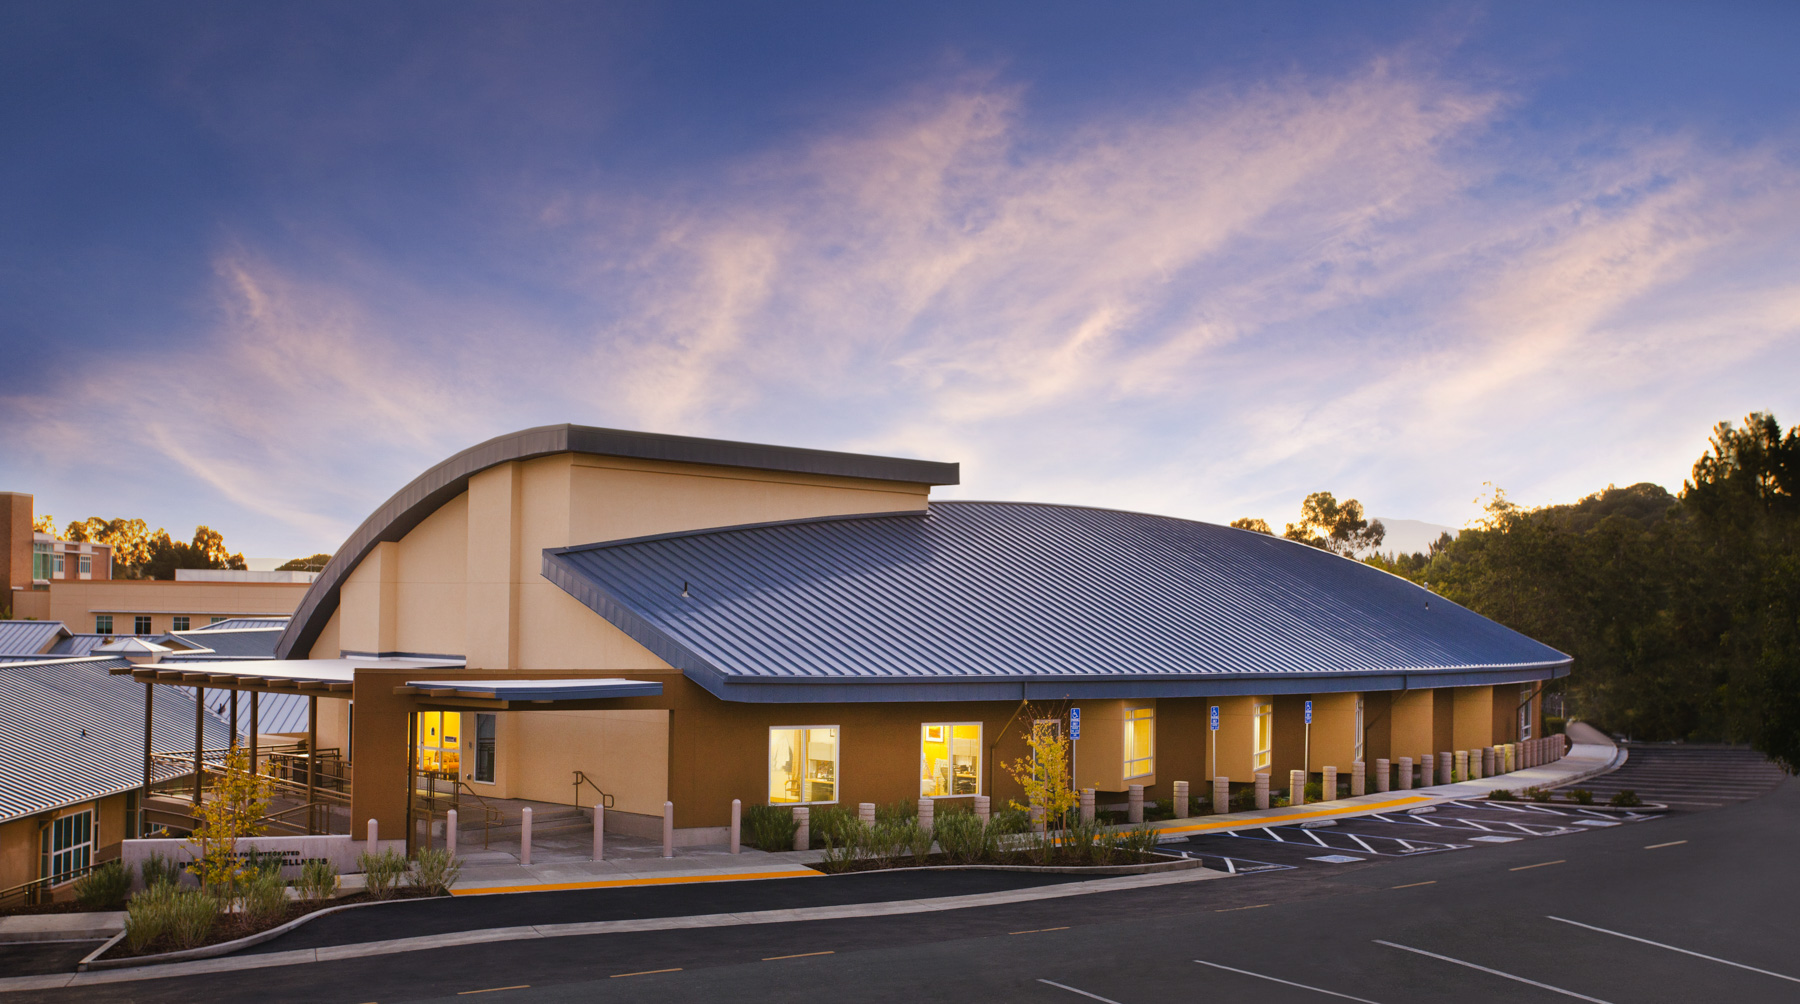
x,y
310,808
32,888
490,815
606,801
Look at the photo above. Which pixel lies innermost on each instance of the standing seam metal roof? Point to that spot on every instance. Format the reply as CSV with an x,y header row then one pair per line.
x,y
979,592
29,637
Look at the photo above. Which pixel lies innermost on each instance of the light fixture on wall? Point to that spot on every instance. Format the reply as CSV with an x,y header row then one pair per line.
x,y
684,590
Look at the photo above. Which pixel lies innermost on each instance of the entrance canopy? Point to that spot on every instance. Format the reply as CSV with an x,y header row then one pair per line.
x,y
533,690
308,676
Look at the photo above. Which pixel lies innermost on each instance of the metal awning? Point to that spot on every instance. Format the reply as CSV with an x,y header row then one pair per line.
x,y
318,676
532,690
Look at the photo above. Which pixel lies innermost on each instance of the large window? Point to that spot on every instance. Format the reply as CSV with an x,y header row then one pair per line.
x,y
84,566
40,560
103,623
1140,742
1525,712
484,748
67,846
1358,740
140,625
1262,735
949,759
439,747
59,566
179,624
803,764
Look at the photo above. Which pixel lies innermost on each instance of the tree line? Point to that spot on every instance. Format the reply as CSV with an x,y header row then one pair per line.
x,y
137,553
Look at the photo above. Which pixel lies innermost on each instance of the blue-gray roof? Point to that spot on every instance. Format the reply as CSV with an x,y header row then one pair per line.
x,y
236,643
994,600
72,731
239,623
29,637
277,712
81,644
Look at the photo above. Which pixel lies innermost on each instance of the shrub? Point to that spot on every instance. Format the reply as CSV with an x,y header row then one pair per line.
x,y
964,838
265,899
1502,795
831,825
1243,799
434,870
1538,794
895,812
318,880
192,914
103,888
918,841
148,915
1582,796
158,870
769,828
381,872
1625,799
263,862
1140,841
1009,821
1315,791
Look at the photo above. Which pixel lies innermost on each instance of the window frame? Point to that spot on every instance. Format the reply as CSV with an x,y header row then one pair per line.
x,y
141,624
950,744
1261,715
1525,695
84,565
1131,716
78,855
103,624
178,623
837,764
1358,741
493,749
439,747
57,570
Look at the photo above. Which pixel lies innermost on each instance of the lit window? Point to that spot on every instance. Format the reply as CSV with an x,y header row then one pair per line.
x,y
1262,735
103,623
950,759
1140,742
140,625
803,764
67,847
439,748
181,624
1359,728
1525,712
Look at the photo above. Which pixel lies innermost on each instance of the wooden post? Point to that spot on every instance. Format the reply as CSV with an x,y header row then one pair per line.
x,y
412,767
312,757
234,730
253,726
199,741
149,773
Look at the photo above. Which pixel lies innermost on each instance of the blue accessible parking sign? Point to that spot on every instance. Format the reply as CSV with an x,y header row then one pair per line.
x,y
1215,718
1074,723
1309,712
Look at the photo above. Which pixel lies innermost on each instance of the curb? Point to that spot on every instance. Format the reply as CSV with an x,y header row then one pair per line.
x,y
1147,868
94,962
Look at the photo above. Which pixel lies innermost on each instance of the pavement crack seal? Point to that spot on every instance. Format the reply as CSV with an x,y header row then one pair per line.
x,y
888,908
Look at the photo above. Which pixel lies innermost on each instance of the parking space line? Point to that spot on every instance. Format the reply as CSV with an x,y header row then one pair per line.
x,y
1039,930
1414,885
1672,843
1290,983
646,972
1672,948
1495,972
489,990
1083,993
802,955
1231,909
1540,864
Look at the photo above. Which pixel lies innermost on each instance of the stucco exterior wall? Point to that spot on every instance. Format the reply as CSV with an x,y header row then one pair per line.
x,y
1333,732
1474,718
1412,731
76,603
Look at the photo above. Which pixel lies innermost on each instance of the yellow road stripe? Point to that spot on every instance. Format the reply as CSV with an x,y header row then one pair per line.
x,y
1039,930
646,972
1540,864
1283,820
1672,843
655,880
489,990
1231,908
1414,885
802,955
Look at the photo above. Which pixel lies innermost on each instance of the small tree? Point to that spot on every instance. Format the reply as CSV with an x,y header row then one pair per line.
x,y
240,800
1045,773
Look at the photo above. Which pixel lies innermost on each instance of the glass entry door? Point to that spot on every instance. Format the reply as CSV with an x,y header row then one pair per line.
x,y
484,748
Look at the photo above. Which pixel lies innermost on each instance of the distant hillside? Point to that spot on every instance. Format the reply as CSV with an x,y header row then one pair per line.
x,y
1405,536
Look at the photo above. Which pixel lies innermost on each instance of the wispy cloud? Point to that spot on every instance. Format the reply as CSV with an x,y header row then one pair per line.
x,y
1207,308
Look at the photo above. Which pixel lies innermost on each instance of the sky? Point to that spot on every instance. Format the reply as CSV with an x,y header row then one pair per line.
x,y
261,265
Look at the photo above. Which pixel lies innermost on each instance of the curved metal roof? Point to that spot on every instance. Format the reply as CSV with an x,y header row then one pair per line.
x,y
984,600
430,490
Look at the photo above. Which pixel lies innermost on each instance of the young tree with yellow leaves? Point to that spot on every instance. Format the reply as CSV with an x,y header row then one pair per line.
x,y
239,800
1045,773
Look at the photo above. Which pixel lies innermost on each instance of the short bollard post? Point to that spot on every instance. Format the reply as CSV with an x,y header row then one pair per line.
x,y
600,829
668,829
1296,787
1359,783
1328,787
1487,761
373,830
450,832
1406,773
926,809
1221,795
1427,767
737,826
865,813
1181,800
1462,766
1384,775
1262,791
983,809
1087,805
525,837
802,832
1510,766
1134,804
1446,762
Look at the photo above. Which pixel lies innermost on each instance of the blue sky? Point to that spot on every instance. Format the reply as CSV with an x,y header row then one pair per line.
x,y
262,264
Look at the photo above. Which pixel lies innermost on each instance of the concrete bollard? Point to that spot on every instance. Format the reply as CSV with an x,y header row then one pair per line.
x,y
983,809
1487,761
802,831
865,813
1181,799
1359,784
450,832
1262,791
1296,787
1087,805
926,808
1134,803
1462,765
737,827
1221,795
1328,789
1427,767
668,829
600,830
1406,773
373,830
1511,754
1446,763
1383,775
525,837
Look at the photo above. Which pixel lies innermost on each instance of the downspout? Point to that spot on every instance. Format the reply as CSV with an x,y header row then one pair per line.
x,y
1000,735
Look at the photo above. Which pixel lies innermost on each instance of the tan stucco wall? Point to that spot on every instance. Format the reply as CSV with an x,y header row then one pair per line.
x,y
1333,732
1236,737
1412,731
75,603
328,646
18,851
430,592
626,753
1474,714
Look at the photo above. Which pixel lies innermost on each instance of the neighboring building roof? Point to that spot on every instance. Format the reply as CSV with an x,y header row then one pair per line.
x,y
29,637
430,490
241,623
993,600
216,645
71,731
132,645
276,713
81,644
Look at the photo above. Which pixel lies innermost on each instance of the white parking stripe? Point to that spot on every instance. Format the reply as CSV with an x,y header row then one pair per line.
x,y
1272,979
1496,972
1083,993
1672,948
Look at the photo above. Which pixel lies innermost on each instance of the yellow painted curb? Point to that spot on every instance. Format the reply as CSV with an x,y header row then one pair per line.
x,y
653,880
1322,813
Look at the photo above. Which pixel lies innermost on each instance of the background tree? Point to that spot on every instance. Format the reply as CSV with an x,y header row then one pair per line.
x,y
207,550
1253,524
1336,527
44,524
140,554
316,563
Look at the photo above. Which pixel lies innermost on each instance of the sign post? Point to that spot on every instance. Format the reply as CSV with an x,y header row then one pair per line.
x,y
1074,734
1306,754
1215,740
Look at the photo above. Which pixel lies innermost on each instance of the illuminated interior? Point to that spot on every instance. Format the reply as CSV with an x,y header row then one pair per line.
x,y
803,764
439,747
1140,742
949,759
1262,734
